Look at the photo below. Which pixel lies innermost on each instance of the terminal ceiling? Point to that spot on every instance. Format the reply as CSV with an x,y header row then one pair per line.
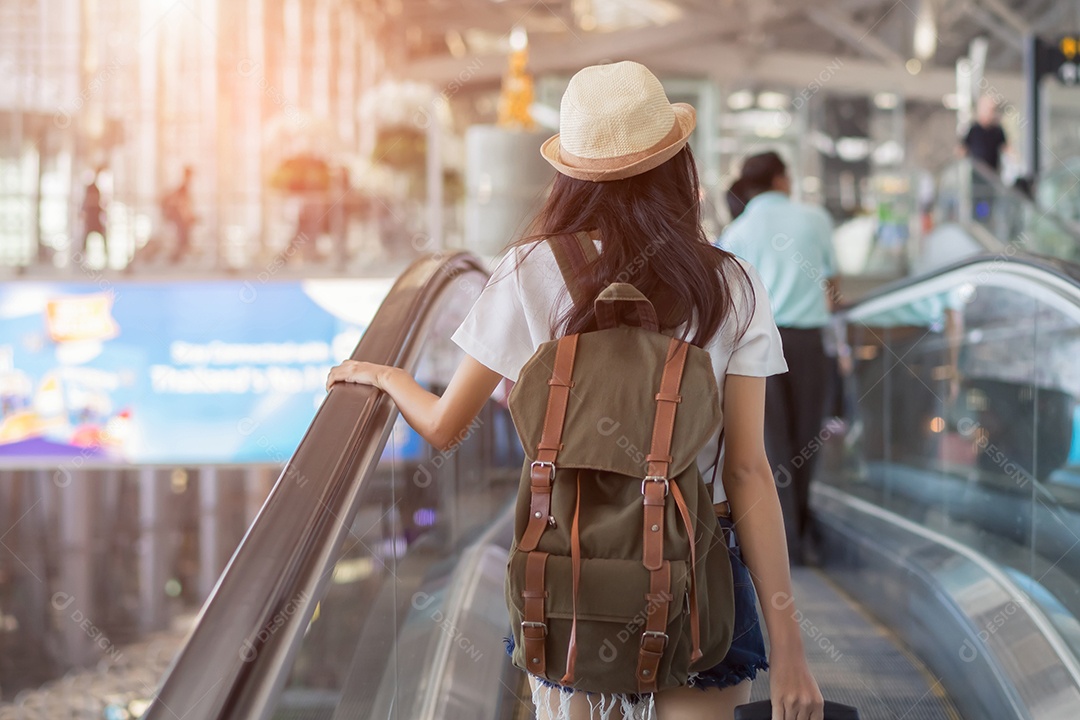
x,y
777,42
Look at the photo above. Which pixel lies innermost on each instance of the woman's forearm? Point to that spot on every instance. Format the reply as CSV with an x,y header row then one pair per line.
x,y
418,406
442,421
759,523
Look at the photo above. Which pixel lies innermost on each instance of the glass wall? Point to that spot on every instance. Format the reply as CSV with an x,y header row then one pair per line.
x,y
422,542
965,394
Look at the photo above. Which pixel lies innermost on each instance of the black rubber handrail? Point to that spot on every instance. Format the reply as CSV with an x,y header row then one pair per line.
x,y
240,651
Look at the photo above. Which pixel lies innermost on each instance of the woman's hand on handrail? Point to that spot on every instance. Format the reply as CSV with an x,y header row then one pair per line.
x,y
439,420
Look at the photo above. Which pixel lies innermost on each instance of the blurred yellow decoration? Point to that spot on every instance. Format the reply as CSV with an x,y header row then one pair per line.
x,y
1069,47
517,92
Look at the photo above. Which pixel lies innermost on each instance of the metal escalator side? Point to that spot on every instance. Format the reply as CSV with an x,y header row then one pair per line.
x,y
949,502
246,642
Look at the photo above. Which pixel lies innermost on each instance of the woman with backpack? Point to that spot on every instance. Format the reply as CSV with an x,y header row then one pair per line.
x,y
622,226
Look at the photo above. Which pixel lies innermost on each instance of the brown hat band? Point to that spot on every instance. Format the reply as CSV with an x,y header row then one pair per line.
x,y
612,163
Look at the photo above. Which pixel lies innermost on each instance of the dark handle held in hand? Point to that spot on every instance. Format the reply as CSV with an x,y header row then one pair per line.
x,y
763,711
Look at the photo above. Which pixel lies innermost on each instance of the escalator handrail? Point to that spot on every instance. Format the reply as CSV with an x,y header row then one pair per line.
x,y
240,650
1061,269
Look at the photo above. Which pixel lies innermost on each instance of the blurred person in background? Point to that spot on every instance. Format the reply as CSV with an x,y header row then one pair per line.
x,y
984,143
791,246
985,140
736,198
178,210
93,215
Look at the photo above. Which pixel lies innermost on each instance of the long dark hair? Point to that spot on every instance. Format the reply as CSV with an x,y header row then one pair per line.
x,y
651,237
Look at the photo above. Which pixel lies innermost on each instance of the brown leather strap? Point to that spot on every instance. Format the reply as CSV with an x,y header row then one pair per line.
x,y
575,564
534,622
695,620
667,400
654,639
655,497
574,253
542,470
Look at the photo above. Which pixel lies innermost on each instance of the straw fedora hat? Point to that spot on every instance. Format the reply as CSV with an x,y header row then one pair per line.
x,y
615,122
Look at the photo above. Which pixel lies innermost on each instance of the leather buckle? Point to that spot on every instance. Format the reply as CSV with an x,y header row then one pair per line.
x,y
542,463
533,624
654,478
656,634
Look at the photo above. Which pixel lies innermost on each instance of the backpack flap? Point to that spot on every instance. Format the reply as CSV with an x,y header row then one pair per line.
x,y
612,404
623,303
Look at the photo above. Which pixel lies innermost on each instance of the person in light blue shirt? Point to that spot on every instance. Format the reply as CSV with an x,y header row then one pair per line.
x,y
790,245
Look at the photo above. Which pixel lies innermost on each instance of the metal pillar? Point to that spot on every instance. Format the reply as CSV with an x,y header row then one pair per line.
x,y
1032,104
73,598
434,179
209,530
152,573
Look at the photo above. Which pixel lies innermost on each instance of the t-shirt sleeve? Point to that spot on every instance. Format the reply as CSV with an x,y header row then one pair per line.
x,y
759,352
496,331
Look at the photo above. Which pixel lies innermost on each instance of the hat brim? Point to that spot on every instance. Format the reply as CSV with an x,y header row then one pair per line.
x,y
584,169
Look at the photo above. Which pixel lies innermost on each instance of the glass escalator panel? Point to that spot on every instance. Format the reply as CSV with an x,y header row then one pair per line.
x,y
973,196
965,391
391,620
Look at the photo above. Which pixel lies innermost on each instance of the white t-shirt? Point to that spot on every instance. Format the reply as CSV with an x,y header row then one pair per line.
x,y
514,314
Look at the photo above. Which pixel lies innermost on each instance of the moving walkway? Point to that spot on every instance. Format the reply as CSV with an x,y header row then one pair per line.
x,y
370,584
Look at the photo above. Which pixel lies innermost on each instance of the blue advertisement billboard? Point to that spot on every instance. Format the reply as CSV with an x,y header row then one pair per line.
x,y
171,372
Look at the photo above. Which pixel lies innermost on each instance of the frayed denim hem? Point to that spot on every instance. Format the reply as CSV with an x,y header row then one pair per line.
x,y
725,676
634,698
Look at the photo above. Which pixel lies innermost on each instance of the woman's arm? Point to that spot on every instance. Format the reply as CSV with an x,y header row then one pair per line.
x,y
439,420
755,507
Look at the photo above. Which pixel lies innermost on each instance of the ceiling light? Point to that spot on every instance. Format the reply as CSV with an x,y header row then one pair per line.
x,y
519,39
740,100
822,143
886,100
914,66
924,43
889,152
772,100
852,149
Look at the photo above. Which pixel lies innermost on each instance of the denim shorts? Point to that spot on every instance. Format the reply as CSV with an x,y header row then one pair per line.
x,y
747,652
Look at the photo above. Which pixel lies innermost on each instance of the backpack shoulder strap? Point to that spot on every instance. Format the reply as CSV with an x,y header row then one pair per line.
x,y
574,253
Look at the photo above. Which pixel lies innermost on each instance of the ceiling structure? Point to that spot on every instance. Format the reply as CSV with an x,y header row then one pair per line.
x,y
860,45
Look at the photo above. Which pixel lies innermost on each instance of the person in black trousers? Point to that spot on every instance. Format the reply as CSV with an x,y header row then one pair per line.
x,y
790,244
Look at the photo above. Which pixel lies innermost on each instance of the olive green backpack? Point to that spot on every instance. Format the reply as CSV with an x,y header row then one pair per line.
x,y
619,579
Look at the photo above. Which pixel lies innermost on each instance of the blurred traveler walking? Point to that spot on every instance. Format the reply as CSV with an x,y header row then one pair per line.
x,y
790,244
985,140
177,208
622,227
984,143
93,216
